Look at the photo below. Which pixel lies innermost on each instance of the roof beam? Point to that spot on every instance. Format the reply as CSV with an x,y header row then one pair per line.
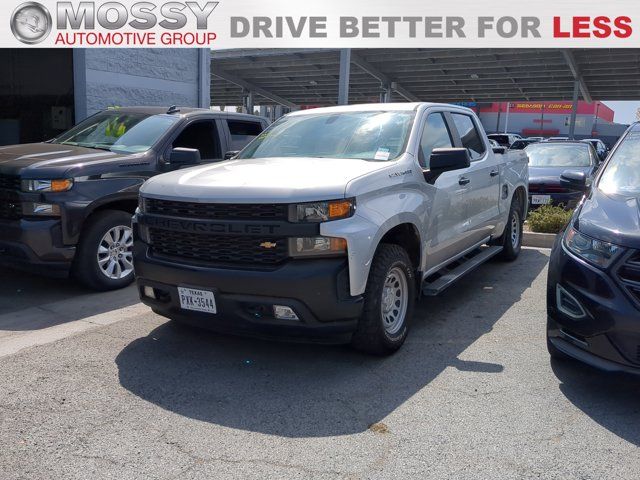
x,y
252,88
384,79
575,70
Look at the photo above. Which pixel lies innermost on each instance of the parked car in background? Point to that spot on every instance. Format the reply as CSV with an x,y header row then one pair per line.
x,y
556,139
504,139
534,139
497,148
601,149
593,290
66,204
548,161
330,224
522,144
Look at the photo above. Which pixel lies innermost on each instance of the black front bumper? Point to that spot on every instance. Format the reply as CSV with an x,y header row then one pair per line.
x,y
608,336
35,245
317,290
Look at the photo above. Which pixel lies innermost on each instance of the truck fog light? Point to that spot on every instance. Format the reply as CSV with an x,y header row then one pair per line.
x,y
568,304
317,246
37,209
149,292
282,312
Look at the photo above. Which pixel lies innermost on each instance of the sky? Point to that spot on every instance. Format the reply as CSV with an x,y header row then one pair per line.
x,y
625,111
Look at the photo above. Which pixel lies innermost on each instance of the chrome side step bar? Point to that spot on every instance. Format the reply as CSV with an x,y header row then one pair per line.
x,y
445,277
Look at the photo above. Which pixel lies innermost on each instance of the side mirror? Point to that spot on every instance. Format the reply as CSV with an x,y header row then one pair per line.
x,y
577,181
231,154
446,160
499,150
184,156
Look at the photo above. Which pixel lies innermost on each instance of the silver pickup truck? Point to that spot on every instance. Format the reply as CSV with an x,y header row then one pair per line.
x,y
330,224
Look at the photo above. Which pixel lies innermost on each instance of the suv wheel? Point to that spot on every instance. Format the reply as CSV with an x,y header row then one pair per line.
x,y
104,259
511,239
388,302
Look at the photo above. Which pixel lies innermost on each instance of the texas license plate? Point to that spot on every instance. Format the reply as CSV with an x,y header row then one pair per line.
x,y
540,199
197,300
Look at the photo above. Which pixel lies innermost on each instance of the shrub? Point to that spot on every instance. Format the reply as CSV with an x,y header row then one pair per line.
x,y
549,219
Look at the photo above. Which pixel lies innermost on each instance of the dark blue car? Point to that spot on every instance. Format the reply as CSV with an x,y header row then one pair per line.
x,y
548,161
593,289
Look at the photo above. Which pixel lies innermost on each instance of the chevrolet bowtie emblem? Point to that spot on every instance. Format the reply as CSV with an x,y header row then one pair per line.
x,y
268,245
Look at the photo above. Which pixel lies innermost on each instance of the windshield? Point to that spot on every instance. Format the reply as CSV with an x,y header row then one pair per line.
x,y
376,136
622,172
119,132
558,155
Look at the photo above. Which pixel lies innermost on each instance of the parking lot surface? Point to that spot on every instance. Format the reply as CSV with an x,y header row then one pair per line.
x,y
97,386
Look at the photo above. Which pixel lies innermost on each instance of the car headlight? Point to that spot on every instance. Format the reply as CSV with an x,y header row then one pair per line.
x,y
316,212
142,204
594,251
60,185
317,246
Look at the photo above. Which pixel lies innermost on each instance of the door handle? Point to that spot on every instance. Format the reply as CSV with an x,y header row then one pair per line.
x,y
494,173
464,181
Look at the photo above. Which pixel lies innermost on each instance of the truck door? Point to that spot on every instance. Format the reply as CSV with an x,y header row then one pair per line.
x,y
447,218
483,177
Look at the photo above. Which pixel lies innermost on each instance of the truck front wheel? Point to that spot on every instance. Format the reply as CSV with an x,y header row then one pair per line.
x,y
388,302
511,239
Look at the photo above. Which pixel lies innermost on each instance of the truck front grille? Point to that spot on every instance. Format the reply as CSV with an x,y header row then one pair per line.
x,y
217,211
220,250
8,182
629,276
9,211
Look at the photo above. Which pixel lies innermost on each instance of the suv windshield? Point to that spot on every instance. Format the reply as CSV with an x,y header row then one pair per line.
x,y
118,132
622,173
377,136
558,155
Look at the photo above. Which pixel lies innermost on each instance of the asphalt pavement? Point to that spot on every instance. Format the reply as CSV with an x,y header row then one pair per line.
x,y
95,386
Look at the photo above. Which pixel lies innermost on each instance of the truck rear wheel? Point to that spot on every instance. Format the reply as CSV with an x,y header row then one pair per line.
x,y
104,256
388,302
511,239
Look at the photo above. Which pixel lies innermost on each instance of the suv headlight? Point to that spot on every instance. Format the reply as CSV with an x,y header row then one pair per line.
x,y
597,252
316,212
60,185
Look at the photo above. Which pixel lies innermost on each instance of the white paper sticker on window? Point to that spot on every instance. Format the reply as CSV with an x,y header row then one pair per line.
x,y
382,154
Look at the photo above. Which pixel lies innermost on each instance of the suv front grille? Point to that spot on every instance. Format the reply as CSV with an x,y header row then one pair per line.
x,y
218,249
629,276
217,211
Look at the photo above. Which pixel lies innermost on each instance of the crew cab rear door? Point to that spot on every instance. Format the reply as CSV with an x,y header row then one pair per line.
x,y
482,178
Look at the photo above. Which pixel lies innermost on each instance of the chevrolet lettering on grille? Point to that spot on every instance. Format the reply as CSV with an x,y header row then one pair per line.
x,y
211,227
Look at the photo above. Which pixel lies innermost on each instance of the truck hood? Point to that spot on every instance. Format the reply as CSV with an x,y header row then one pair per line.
x,y
278,180
45,159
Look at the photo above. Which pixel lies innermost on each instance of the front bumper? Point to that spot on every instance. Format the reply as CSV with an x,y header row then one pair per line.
x,y
608,335
317,290
35,245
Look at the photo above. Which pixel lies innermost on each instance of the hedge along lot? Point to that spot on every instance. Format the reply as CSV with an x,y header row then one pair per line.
x,y
549,219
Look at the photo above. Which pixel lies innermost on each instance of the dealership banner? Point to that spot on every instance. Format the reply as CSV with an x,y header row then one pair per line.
x,y
320,24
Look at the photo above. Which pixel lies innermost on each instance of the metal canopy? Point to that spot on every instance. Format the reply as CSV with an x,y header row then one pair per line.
x,y
311,76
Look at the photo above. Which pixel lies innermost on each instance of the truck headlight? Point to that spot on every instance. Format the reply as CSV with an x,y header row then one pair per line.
x,y
60,185
142,204
594,251
316,212
317,246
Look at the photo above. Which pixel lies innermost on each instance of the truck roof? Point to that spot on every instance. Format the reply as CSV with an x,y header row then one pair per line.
x,y
183,111
371,107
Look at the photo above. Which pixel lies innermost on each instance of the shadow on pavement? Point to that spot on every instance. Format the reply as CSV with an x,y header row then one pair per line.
x,y
296,390
611,400
30,302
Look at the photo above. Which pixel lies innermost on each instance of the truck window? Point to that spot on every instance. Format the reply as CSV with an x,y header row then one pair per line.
x,y
435,135
471,139
203,136
242,132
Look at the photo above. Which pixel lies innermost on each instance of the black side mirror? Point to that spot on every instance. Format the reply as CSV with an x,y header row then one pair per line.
x,y
499,150
446,160
231,154
577,181
184,156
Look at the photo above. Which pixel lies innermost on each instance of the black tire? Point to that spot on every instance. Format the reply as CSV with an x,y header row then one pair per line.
x,y
511,249
86,268
371,335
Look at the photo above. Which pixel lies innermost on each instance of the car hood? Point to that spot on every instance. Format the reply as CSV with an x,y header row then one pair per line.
x,y
551,175
45,159
612,218
261,180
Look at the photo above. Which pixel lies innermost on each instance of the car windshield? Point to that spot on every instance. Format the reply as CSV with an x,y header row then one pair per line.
x,y
558,155
118,132
375,136
622,172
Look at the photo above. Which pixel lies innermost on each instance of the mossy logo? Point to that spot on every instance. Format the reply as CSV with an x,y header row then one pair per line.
x,y
31,22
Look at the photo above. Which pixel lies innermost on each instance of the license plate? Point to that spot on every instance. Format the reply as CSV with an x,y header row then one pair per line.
x,y
540,199
197,300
